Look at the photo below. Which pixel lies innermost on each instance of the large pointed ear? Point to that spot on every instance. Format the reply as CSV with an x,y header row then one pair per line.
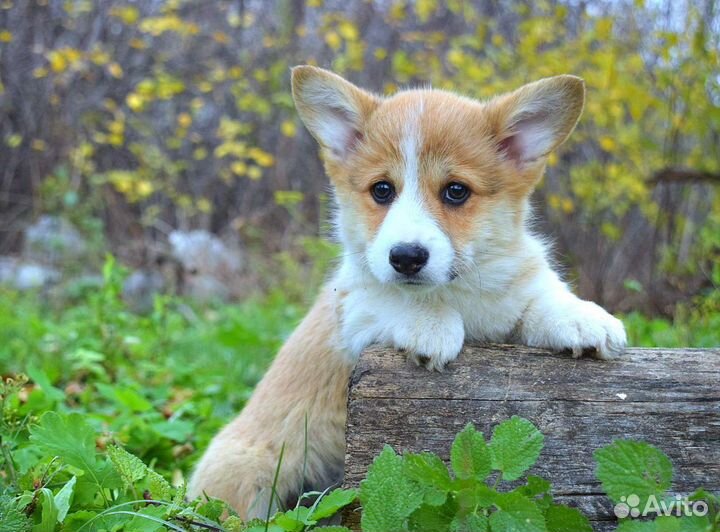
x,y
538,117
333,109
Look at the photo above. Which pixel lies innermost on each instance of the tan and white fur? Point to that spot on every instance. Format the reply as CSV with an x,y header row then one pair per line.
x,y
481,274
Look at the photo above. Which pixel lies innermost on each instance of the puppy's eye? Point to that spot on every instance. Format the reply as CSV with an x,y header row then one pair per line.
x,y
383,192
455,194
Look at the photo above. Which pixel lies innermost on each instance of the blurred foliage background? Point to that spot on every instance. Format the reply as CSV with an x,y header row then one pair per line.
x,y
131,119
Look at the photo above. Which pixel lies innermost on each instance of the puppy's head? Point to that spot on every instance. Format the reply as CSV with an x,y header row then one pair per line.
x,y
426,179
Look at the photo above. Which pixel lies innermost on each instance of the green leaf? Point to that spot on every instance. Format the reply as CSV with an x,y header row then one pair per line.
x,y
40,378
478,496
388,497
516,513
72,439
129,467
515,446
49,514
535,486
160,488
294,520
333,502
470,523
667,524
429,518
63,499
66,436
627,467
469,455
560,518
333,528
428,470
13,518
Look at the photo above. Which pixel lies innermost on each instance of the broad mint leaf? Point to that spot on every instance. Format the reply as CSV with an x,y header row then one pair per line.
x,y
469,455
535,486
515,446
333,502
129,467
429,518
430,472
627,467
388,497
473,497
667,524
470,523
516,513
560,518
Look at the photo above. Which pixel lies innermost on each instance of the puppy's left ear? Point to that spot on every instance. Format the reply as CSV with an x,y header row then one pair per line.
x,y
333,109
537,118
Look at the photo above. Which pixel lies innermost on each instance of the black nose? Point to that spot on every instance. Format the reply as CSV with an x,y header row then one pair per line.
x,y
408,259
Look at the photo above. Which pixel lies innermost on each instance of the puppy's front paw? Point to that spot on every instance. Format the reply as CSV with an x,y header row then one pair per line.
x,y
432,342
578,327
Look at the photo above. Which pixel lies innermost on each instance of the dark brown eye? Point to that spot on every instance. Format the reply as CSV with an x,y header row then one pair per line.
x,y
383,192
455,194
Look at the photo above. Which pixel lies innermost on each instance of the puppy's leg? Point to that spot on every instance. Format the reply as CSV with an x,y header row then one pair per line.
x,y
306,386
557,319
238,474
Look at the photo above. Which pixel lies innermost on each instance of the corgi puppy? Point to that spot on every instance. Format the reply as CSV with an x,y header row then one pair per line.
x,y
432,193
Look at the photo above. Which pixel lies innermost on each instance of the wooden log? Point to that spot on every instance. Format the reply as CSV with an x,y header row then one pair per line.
x,y
667,397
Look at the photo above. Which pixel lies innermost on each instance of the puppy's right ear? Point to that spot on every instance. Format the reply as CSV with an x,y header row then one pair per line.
x,y
333,109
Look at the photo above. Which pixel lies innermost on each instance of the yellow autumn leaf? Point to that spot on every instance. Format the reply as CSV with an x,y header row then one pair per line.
x,y
144,188
135,102
204,205
128,14
58,63
288,128
607,143
184,120
262,158
115,70
288,197
239,168
567,205
254,172
221,37
348,31
38,145
14,140
6,36
333,40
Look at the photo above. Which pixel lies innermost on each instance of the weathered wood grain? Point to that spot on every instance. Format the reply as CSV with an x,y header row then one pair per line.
x,y
667,397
